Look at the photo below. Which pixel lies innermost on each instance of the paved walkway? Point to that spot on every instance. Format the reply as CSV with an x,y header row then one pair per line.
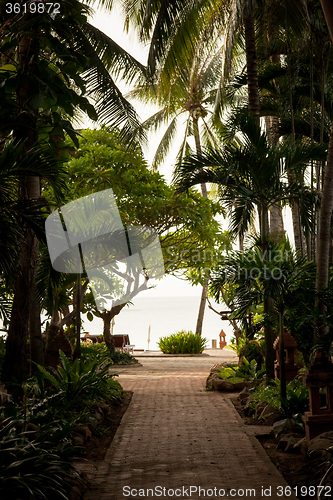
x,y
178,441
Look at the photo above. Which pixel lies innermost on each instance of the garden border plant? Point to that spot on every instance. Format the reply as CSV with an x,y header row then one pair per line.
x,y
182,342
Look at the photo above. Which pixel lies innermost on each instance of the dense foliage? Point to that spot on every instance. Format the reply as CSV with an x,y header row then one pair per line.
x,y
183,342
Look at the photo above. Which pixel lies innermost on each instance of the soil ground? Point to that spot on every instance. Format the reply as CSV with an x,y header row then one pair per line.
x,y
99,443
299,471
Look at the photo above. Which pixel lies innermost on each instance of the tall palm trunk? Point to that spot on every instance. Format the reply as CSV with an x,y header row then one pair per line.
x,y
275,213
324,229
203,299
325,217
254,108
251,65
15,362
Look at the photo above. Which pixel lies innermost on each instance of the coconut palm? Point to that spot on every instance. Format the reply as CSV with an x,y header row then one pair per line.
x,y
189,99
251,176
324,233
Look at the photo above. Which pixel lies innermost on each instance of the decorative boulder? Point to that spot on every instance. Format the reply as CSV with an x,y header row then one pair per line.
x,y
260,407
211,377
283,426
222,385
288,441
317,446
268,411
244,394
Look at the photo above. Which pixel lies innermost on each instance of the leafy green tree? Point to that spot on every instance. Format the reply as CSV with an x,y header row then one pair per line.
x,y
51,63
185,223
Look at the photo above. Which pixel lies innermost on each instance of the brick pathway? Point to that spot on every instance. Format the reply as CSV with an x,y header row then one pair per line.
x,y
178,441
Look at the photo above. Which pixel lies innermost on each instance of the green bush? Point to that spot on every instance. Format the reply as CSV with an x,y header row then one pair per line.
x,y
247,371
251,350
35,465
36,442
295,403
182,342
66,395
100,353
79,382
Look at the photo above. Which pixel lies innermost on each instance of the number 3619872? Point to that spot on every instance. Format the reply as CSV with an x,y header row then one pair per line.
x,y
33,7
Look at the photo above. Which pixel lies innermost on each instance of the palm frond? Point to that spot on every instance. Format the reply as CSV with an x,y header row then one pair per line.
x,y
165,143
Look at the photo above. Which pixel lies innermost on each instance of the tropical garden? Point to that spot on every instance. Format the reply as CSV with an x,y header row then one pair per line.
x,y
247,87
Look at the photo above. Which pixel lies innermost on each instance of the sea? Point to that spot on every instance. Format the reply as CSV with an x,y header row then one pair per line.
x,y
163,316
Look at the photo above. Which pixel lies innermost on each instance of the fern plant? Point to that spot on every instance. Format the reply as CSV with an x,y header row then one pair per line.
x,y
74,384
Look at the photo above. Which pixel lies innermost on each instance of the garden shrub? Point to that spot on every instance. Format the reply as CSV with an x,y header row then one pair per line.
x,y
247,371
79,382
295,403
35,465
100,353
251,350
183,342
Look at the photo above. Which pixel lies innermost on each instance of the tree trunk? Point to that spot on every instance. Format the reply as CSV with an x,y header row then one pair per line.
x,y
107,317
325,217
324,229
201,313
283,389
36,339
251,65
15,362
198,328
77,351
275,213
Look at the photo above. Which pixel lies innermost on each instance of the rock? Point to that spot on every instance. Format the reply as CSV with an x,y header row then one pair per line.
x,y
104,408
85,432
268,411
79,441
98,415
222,385
244,394
301,446
318,445
218,366
274,417
260,407
248,410
210,378
241,385
288,441
283,426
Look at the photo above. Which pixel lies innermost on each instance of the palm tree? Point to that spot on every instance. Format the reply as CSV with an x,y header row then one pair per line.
x,y
251,175
58,62
21,217
281,276
324,232
192,93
